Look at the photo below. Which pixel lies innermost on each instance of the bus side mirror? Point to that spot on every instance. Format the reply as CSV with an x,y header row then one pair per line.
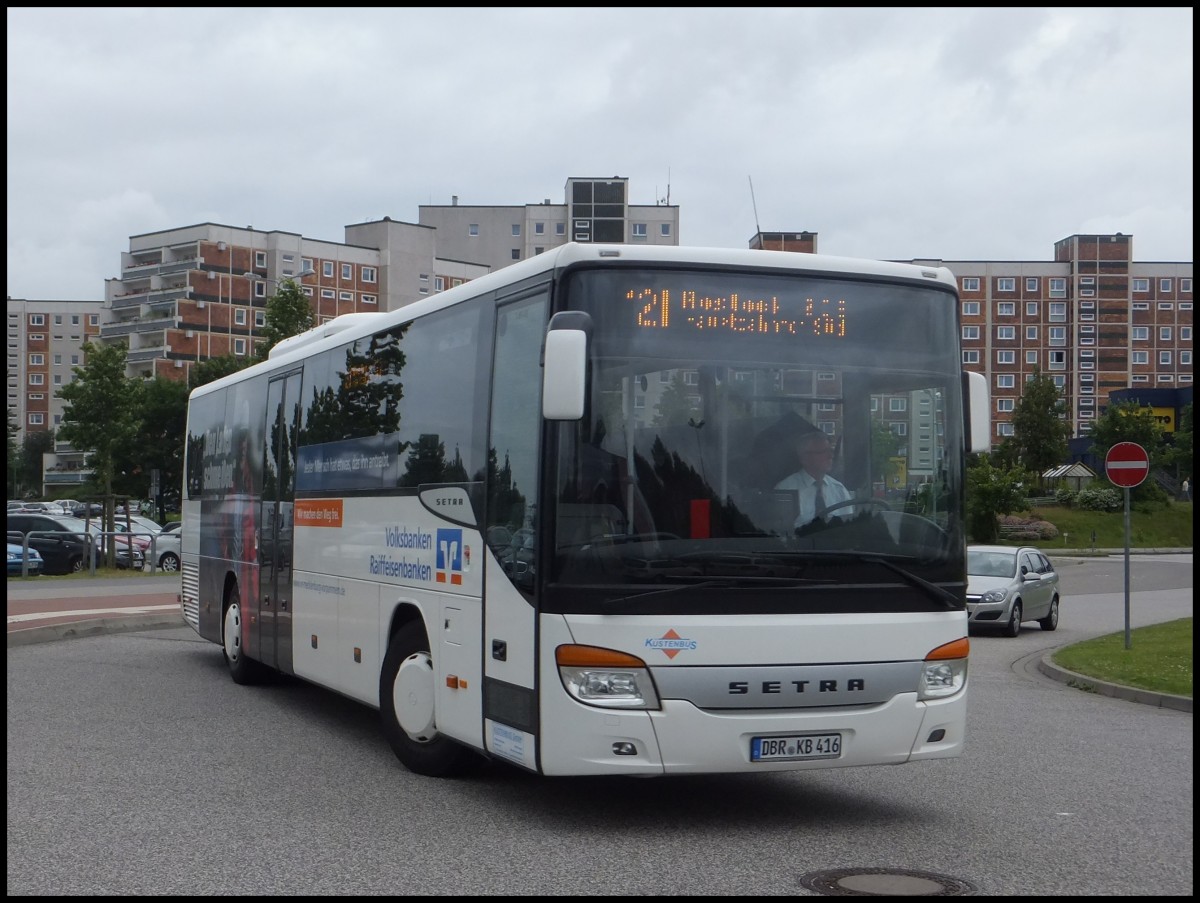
x,y
977,412
564,366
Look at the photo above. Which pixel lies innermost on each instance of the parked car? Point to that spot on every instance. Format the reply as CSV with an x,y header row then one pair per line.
x,y
16,561
1007,585
166,547
62,542
63,546
172,526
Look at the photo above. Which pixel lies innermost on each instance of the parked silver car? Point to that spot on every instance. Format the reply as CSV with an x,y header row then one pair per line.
x,y
1007,585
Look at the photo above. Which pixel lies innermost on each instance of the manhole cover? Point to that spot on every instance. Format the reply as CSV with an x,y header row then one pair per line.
x,y
885,883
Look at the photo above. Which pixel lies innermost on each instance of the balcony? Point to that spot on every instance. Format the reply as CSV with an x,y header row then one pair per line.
x,y
131,327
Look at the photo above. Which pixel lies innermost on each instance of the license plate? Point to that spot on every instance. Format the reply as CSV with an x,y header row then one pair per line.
x,y
802,746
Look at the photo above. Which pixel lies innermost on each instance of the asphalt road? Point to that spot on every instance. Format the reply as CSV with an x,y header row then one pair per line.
x,y
136,766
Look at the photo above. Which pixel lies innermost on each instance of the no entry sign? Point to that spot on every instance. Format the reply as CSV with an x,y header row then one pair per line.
x,y
1127,464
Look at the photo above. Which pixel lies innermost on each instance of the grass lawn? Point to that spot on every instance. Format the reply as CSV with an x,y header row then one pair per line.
x,y
1159,658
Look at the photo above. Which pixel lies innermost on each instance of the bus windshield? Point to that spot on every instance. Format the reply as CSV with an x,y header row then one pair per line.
x,y
718,402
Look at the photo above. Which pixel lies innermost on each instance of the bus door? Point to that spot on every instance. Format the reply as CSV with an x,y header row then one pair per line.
x,y
275,523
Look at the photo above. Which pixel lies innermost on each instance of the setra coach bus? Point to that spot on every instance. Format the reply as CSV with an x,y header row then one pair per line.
x,y
555,516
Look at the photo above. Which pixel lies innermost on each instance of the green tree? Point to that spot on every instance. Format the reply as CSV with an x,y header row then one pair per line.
x,y
992,490
1040,432
289,313
1177,454
162,417
28,470
101,412
1128,421
207,371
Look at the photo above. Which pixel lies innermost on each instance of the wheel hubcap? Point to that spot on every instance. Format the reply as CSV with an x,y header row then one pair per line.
x,y
233,632
412,697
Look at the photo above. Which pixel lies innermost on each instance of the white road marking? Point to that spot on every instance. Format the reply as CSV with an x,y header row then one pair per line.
x,y
127,610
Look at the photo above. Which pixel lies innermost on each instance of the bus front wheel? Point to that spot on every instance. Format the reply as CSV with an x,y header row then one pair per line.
x,y
408,711
242,669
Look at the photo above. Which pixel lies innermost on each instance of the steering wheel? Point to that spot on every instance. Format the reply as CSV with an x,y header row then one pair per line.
x,y
878,503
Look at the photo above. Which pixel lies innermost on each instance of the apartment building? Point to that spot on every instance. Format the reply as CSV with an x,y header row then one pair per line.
x,y
45,340
1093,319
195,292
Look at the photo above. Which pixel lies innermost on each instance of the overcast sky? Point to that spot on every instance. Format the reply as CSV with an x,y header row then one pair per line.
x,y
977,134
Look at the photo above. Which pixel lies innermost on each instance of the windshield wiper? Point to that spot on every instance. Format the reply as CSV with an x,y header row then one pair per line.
x,y
935,592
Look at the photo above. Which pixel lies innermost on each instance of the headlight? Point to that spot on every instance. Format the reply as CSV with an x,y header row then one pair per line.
x,y
945,670
993,595
606,678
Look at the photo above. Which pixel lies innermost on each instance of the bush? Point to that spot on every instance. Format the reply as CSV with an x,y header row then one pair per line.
x,y
1064,497
1096,499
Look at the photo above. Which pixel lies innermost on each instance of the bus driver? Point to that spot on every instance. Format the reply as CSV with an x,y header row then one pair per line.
x,y
815,488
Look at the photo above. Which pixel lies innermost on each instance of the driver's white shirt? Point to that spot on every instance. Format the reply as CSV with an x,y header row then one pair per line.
x,y
803,482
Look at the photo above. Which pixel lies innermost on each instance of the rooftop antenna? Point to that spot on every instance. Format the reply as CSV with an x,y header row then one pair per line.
x,y
668,186
754,204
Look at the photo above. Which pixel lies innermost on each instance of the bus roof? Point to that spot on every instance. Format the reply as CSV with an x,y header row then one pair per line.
x,y
349,327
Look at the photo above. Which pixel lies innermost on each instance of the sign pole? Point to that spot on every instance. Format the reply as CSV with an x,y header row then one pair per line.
x,y
1128,638
1126,465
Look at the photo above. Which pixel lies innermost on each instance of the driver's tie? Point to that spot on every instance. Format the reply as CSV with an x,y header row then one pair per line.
x,y
819,499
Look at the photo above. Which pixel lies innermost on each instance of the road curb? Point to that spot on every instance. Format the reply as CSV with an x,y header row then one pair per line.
x,y
93,627
1104,688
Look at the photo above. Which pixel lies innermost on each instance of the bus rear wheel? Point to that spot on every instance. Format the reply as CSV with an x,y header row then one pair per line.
x,y
408,711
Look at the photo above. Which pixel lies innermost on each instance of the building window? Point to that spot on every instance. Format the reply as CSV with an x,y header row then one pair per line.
x,y
345,296
473,229
328,293
1006,284
1031,284
970,284
239,347
239,316
260,289
37,379
665,230
560,228
1031,357
1031,333
260,259
1141,357
1164,333
37,319
1031,308
1006,357
1005,380
37,360
1141,305
93,319
1185,285
970,333
1058,287
1141,378
369,299
368,274
1165,305
40,337
1185,333
1141,285
1164,357
260,318
1004,429
970,308
639,230
58,320
1058,312
1185,358
439,283
1164,285
306,263
1005,405
897,404
1165,378
308,290
327,269
347,271
516,230
1004,333
57,359
970,357
37,420
538,249
58,377
1058,361
899,429
1058,335
539,228
516,253
74,359
1141,333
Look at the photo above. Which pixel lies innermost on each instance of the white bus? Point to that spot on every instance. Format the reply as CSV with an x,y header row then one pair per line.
x,y
535,518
